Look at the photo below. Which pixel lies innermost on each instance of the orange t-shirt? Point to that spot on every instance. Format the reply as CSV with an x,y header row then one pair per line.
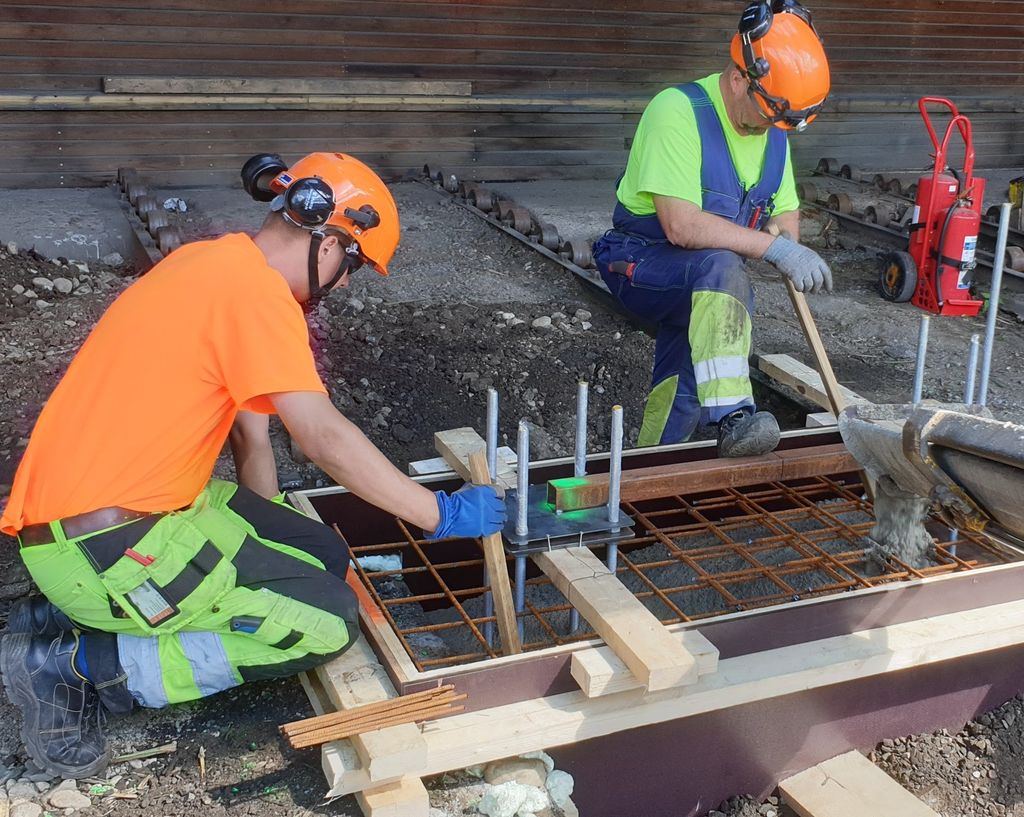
x,y
145,407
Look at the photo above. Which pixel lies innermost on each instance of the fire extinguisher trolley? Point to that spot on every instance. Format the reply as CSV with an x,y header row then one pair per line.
x,y
935,273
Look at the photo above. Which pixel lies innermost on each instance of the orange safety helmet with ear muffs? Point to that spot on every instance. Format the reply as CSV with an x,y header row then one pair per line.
x,y
780,53
330,192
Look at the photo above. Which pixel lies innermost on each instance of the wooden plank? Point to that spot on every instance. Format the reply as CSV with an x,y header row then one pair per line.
x,y
356,678
405,798
850,786
497,568
456,445
656,659
438,465
573,493
599,671
803,379
259,85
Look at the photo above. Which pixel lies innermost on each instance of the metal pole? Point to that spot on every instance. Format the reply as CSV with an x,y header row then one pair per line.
x,y
492,433
582,389
523,473
972,370
993,300
922,351
580,467
615,483
520,599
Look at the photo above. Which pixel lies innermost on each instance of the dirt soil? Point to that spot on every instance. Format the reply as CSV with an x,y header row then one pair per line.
x,y
466,308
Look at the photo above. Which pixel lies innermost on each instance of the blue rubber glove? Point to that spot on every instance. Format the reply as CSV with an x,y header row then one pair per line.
x,y
473,510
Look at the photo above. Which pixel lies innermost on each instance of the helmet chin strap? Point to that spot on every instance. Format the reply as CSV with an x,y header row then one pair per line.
x,y
349,263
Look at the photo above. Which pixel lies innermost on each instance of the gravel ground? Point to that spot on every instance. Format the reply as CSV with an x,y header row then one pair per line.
x,y
466,308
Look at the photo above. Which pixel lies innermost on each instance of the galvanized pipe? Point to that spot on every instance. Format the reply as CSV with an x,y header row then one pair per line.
x,y
972,370
922,351
523,474
614,483
993,300
520,597
492,433
582,393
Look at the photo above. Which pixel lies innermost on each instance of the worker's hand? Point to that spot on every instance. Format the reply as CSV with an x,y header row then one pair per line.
x,y
473,510
802,265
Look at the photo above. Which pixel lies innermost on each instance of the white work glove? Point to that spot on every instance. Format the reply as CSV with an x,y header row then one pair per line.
x,y
802,265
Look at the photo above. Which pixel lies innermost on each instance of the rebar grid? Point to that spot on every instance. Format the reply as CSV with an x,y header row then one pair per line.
x,y
695,558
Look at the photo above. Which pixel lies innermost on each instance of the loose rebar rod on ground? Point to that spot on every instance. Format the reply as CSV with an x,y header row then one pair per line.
x,y
993,300
922,352
614,484
972,370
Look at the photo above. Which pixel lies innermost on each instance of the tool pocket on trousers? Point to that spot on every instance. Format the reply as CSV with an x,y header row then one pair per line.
x,y
165,578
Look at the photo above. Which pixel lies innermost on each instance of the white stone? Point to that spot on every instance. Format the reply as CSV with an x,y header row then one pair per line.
x,y
511,799
528,771
12,248
83,268
560,785
506,316
42,284
21,790
355,304
114,259
66,798
30,293
543,322
63,286
67,785
41,304
586,325
17,289
583,314
26,809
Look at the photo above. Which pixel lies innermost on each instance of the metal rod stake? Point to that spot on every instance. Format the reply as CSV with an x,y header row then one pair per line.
x,y
614,483
972,370
922,351
520,597
492,433
993,300
582,391
488,610
523,473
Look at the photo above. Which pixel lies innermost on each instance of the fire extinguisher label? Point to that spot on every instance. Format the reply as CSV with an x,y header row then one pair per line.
x,y
917,214
967,260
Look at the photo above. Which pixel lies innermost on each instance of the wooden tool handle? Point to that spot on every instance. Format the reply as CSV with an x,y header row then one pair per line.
x,y
494,558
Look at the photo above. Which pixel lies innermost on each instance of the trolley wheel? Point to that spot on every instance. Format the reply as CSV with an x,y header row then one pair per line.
x,y
878,180
992,214
848,172
519,219
449,181
841,203
546,234
501,208
155,220
1015,258
911,190
168,239
134,191
462,191
895,186
829,166
126,175
145,204
578,251
871,214
807,192
428,171
897,279
481,198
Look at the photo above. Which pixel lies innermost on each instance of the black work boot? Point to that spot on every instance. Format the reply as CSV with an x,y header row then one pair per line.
x,y
744,433
60,709
36,616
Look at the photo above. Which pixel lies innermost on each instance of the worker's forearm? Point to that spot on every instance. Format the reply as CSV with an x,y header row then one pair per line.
x,y
788,224
353,461
700,230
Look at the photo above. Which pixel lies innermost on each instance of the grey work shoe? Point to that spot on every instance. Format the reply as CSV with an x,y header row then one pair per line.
x,y
60,709
747,434
36,616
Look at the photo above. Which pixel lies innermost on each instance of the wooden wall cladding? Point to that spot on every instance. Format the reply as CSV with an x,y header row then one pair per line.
x,y
521,89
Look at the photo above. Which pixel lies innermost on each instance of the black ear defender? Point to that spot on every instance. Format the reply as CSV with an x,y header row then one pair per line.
x,y
306,203
258,172
756,22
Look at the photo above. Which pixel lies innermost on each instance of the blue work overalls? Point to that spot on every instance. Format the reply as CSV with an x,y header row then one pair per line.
x,y
702,300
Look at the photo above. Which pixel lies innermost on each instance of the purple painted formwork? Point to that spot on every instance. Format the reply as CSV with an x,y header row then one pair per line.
x,y
686,767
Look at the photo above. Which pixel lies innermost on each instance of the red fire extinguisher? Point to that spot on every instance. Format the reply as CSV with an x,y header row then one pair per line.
x,y
935,273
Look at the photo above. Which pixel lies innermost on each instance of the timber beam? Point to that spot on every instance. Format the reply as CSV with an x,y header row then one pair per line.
x,y
576,493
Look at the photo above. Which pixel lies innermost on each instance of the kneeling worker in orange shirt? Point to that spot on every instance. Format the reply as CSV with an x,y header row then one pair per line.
x,y
161,584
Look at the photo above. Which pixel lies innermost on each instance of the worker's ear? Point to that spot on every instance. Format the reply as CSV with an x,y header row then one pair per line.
x,y
328,244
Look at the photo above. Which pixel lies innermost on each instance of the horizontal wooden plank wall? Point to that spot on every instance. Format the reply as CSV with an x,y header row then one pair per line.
x,y
555,89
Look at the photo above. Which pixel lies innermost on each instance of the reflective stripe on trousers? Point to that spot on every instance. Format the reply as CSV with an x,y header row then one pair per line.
x,y
702,301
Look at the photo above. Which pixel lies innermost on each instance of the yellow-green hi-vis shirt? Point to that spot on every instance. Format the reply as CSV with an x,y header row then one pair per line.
x,y
665,158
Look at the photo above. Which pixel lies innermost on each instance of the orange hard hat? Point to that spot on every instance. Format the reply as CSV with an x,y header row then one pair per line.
x,y
782,56
334,190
